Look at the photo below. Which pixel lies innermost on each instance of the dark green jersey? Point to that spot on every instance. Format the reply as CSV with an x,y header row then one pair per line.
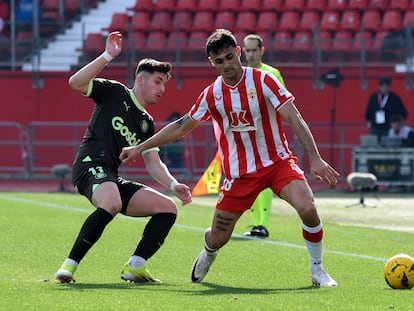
x,y
117,121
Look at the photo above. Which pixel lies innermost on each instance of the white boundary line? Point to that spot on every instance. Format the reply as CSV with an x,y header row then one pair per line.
x,y
235,235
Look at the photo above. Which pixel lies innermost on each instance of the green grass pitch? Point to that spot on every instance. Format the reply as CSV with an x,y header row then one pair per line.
x,y
38,230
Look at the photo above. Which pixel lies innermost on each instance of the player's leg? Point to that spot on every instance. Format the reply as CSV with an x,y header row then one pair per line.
x,y
148,202
107,201
214,238
299,194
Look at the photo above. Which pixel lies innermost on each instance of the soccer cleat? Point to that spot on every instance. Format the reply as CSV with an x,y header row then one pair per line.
x,y
202,265
258,231
65,274
139,275
320,277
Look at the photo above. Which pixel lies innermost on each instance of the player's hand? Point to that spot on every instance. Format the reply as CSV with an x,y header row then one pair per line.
x,y
114,43
128,154
182,192
322,171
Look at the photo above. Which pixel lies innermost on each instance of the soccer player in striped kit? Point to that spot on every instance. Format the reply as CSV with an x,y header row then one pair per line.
x,y
247,107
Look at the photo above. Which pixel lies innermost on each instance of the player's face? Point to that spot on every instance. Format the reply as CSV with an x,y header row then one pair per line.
x,y
253,53
153,86
228,65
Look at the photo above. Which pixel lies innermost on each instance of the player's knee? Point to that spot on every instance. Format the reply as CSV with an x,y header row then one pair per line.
x,y
166,206
112,206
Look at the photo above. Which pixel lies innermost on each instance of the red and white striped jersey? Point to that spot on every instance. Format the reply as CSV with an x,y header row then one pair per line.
x,y
247,127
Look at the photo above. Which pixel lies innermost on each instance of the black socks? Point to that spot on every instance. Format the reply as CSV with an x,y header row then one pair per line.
x,y
90,232
154,234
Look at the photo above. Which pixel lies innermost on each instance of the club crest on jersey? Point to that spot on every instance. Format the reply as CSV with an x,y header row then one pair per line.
x,y
239,123
251,93
144,126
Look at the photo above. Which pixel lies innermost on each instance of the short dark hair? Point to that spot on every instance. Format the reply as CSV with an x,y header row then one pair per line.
x,y
385,81
220,39
254,36
152,65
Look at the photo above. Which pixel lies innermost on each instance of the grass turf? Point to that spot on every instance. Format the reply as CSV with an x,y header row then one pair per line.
x,y
38,230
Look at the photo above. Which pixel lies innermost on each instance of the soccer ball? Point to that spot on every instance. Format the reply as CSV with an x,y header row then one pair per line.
x,y
399,271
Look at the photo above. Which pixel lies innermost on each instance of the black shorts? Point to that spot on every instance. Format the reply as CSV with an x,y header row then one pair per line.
x,y
86,176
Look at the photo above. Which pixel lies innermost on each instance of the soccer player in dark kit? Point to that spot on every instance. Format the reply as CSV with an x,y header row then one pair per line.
x,y
119,119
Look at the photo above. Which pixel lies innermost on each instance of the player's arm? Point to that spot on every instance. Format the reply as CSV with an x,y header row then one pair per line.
x,y
168,134
319,168
79,81
160,173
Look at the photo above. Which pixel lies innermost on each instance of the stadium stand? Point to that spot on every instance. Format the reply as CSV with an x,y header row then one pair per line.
x,y
308,20
391,20
289,21
245,21
182,20
203,21
371,20
267,20
316,5
350,20
224,19
140,21
359,5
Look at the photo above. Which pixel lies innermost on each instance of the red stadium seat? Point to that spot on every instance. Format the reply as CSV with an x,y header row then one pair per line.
x,y
408,18
362,40
271,5
308,20
224,19
282,41
229,5
139,41
337,5
325,42
267,20
186,5
391,20
208,5
358,5
245,21
197,40
94,45
166,5
378,4
119,22
250,5
289,21
371,20
176,40
161,20
203,21
50,5
399,5
292,5
316,5
140,21
302,41
342,41
330,20
350,21
182,20
142,5
156,41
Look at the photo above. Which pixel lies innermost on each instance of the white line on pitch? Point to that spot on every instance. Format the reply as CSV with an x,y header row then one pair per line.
x,y
235,235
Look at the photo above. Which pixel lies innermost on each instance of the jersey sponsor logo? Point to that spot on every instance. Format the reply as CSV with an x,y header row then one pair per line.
x,y
239,123
118,125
